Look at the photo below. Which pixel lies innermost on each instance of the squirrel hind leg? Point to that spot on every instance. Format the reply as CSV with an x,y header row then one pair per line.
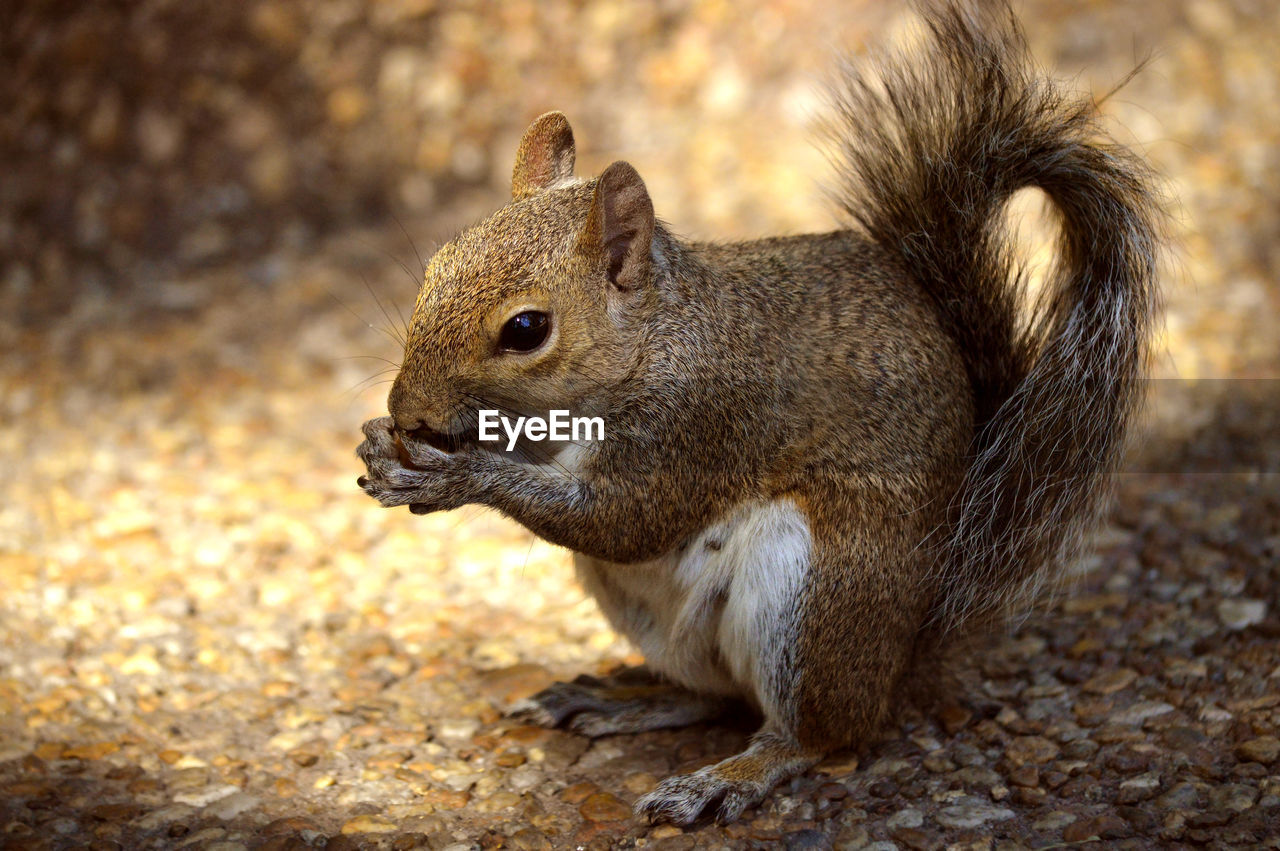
x,y
729,787
626,702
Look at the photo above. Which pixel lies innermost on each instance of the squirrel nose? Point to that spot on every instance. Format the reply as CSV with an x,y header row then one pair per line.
x,y
411,407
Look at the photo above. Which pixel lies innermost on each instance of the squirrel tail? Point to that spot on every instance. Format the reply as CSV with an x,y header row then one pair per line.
x,y
930,147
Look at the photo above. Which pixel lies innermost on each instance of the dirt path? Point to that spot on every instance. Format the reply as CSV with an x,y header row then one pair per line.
x,y
211,639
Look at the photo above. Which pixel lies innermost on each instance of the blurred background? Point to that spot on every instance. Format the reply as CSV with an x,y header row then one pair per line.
x,y
212,223
148,140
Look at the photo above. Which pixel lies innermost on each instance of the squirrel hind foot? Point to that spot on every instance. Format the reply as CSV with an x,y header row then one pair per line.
x,y
725,790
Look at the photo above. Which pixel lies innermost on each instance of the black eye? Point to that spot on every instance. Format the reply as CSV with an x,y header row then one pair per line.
x,y
524,332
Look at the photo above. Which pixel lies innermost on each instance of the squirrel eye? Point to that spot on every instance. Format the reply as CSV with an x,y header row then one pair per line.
x,y
524,332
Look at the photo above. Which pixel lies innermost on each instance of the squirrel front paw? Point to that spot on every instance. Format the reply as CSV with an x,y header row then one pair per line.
x,y
422,477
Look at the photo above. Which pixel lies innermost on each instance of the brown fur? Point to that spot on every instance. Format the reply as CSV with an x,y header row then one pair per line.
x,y
876,378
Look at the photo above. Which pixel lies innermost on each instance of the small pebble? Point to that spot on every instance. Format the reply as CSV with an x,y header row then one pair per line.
x,y
369,824
1264,749
602,806
970,814
1241,614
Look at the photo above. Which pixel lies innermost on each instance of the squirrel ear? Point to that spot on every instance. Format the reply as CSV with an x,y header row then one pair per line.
x,y
620,226
545,155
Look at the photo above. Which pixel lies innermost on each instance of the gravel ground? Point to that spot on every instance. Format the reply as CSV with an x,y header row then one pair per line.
x,y
210,639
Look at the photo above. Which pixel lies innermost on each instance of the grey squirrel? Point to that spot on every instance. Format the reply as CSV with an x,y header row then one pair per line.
x,y
829,457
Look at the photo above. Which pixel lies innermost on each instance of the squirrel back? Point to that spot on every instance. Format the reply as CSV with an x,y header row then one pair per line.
x,y
931,147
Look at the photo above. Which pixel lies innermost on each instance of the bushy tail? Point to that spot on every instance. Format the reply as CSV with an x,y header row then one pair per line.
x,y
932,143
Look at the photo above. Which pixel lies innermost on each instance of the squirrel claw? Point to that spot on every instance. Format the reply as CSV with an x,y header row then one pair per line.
x,y
687,798
529,711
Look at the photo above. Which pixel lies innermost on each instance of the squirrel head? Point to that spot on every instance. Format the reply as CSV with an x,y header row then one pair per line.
x,y
537,307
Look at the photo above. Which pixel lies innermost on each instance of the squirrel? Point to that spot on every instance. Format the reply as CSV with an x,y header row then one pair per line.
x,y
828,458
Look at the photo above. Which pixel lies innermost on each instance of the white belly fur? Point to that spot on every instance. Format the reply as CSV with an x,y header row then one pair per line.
x,y
717,620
